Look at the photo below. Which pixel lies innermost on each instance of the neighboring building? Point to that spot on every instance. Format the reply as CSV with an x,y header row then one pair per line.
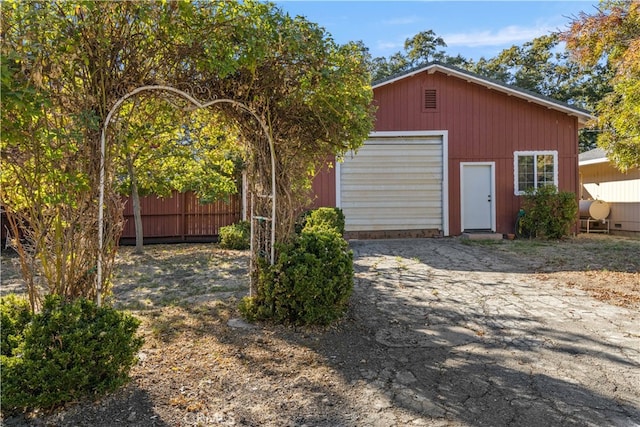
x,y
452,151
600,180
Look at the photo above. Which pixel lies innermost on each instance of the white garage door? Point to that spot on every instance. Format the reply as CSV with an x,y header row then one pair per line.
x,y
393,184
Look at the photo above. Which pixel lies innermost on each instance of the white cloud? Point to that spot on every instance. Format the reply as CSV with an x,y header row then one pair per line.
x,y
512,34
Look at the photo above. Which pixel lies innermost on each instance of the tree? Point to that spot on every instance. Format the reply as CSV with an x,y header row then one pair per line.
x,y
76,59
163,149
422,47
540,66
418,50
612,36
71,61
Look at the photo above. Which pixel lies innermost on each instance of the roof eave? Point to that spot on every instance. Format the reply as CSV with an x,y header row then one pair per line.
x,y
593,161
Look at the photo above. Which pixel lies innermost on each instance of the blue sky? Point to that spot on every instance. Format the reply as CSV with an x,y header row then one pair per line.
x,y
471,28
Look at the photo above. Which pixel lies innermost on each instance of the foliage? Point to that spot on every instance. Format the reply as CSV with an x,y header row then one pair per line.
x,y
310,283
325,218
163,151
235,236
319,104
168,150
612,36
70,350
548,213
539,66
65,65
46,192
418,50
15,314
53,98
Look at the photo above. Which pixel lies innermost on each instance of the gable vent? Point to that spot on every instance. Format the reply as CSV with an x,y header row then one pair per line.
x,y
430,99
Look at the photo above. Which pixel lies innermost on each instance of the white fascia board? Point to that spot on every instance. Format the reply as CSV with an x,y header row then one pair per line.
x,y
445,181
401,133
401,77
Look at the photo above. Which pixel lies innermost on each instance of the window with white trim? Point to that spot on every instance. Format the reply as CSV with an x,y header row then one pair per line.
x,y
534,169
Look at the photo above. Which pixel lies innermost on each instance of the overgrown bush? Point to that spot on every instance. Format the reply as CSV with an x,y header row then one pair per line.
x,y
326,218
70,350
310,283
548,213
235,236
15,314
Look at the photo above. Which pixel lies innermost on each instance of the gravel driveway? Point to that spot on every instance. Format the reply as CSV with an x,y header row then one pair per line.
x,y
440,332
468,337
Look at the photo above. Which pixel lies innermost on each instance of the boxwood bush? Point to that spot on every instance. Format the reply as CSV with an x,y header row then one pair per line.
x,y
15,315
326,218
68,351
235,236
310,283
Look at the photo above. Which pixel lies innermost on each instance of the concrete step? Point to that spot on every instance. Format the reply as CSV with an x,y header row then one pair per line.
x,y
482,235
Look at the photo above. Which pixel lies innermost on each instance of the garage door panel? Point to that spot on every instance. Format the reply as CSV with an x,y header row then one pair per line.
x,y
379,215
377,184
397,199
393,176
406,206
393,184
398,224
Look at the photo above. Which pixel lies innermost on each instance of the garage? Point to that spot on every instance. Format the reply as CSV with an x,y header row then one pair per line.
x,y
394,183
478,126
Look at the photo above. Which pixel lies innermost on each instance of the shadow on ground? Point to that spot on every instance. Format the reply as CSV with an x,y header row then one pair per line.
x,y
437,333
115,409
447,354
447,372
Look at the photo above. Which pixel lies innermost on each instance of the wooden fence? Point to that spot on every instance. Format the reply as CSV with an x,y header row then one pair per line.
x,y
180,218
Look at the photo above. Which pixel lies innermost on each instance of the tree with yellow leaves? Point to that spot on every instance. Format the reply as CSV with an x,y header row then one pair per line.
x,y
612,35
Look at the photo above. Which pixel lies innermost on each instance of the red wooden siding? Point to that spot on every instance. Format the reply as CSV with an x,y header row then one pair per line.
x,y
181,217
483,125
323,187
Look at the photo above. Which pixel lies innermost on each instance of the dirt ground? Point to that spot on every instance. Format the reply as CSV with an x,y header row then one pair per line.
x,y
201,365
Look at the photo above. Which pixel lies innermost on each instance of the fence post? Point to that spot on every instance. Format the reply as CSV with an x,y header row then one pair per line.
x,y
183,212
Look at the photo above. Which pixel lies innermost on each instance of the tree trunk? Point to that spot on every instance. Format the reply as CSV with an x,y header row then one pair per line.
x,y
137,211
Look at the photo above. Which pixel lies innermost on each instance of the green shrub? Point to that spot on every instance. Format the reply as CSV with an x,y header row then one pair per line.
x,y
548,213
327,218
15,314
235,236
310,283
70,350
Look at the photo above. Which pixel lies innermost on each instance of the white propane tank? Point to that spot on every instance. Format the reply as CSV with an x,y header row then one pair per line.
x,y
596,209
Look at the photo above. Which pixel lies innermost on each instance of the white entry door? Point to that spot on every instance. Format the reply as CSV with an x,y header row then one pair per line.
x,y
477,198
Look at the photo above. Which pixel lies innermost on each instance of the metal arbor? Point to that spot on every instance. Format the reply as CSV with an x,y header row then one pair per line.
x,y
266,243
